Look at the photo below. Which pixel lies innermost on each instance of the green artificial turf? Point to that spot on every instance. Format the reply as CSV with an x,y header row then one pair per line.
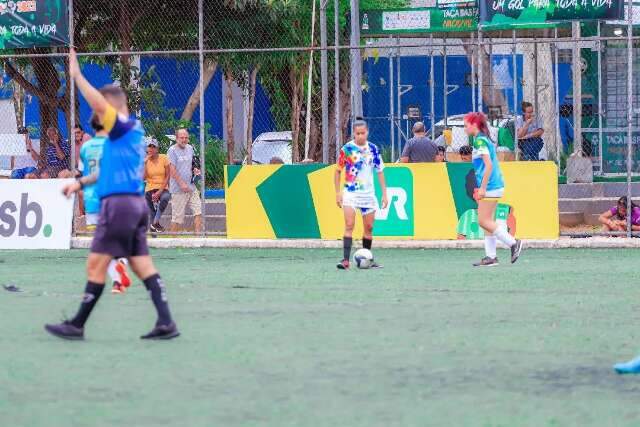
x,y
280,338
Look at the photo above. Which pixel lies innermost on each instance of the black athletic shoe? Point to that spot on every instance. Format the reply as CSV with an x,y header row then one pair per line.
x,y
516,250
376,265
162,332
65,330
153,228
486,262
158,227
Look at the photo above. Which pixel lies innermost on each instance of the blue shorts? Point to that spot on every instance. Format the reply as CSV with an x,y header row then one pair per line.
x,y
21,173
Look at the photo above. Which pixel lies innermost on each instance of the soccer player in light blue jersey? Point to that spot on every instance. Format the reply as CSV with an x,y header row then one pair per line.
x,y
90,156
490,188
124,216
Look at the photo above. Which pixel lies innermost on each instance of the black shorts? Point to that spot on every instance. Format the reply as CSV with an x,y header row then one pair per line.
x,y
122,228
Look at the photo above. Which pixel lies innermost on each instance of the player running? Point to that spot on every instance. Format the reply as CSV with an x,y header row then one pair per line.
x,y
124,217
359,159
90,155
490,188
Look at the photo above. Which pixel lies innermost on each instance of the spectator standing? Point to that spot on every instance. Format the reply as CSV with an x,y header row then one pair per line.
x,y
441,156
79,138
181,185
419,149
529,130
156,175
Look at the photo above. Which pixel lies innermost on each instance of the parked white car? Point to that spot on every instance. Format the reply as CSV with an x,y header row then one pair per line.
x,y
272,144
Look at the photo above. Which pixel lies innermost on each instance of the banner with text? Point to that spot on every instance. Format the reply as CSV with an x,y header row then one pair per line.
x,y
513,14
34,214
30,23
426,202
419,20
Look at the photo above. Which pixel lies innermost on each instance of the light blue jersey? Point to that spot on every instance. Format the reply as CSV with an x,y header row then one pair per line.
x,y
122,165
90,155
482,145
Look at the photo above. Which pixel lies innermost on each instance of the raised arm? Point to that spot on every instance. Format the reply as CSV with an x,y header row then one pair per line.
x,y
94,98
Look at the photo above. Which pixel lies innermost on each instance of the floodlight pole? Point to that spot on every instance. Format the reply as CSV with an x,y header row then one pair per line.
x,y
72,94
203,171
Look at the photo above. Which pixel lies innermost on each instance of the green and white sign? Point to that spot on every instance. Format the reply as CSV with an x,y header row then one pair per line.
x,y
31,23
614,150
418,20
510,14
397,218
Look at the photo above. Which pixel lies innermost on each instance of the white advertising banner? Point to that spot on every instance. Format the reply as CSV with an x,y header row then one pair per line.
x,y
34,214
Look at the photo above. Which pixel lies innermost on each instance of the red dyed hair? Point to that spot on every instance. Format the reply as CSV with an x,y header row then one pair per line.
x,y
478,119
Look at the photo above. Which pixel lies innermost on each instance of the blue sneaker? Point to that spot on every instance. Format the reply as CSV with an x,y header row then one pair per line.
x,y
630,367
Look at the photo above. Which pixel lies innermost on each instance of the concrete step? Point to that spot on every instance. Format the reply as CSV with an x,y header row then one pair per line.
x,y
594,205
597,189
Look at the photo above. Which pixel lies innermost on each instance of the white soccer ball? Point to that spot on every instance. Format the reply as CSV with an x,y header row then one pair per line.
x,y
363,258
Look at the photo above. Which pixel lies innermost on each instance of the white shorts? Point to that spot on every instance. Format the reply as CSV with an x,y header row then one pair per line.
x,y
494,194
366,203
91,219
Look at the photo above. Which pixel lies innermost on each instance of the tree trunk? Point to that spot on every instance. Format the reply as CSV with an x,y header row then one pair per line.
x,y
228,96
345,112
210,67
491,95
124,33
296,84
253,77
48,86
546,106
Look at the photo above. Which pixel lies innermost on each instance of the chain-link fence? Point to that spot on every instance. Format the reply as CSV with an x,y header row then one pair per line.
x,y
264,82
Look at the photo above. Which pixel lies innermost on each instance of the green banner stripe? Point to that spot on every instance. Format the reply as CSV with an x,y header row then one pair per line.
x,y
287,200
462,181
232,173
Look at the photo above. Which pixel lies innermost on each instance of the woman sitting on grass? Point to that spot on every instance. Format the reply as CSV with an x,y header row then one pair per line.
x,y
615,219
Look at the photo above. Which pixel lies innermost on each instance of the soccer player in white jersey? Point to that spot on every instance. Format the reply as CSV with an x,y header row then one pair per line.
x,y
359,159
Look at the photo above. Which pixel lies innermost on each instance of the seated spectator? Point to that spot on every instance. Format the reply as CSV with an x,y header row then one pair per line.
x,y
24,165
465,153
529,131
615,219
156,192
275,160
57,154
419,149
441,155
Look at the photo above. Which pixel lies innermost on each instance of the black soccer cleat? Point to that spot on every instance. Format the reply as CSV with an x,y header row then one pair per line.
x,y
516,250
376,265
65,330
162,332
487,262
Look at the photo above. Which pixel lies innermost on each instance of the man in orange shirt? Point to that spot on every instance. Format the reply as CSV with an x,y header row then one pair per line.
x,y
156,176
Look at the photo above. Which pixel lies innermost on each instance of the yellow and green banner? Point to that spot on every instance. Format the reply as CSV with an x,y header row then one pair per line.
x,y
426,202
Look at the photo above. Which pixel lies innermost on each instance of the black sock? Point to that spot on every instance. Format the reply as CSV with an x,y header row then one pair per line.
x,y
346,247
91,296
155,286
367,243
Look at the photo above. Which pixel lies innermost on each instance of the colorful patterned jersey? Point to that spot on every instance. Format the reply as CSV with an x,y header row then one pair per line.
x,y
481,146
359,163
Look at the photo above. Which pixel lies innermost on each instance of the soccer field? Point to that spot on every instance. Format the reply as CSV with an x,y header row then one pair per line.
x,y
280,338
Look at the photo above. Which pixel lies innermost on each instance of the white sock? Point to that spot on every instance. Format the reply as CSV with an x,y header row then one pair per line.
x,y
503,235
113,273
490,243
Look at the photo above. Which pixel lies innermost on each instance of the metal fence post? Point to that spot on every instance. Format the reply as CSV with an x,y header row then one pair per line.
x,y
337,98
72,94
356,61
629,110
557,93
480,73
445,83
203,164
432,83
515,93
324,78
473,75
600,135
392,112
